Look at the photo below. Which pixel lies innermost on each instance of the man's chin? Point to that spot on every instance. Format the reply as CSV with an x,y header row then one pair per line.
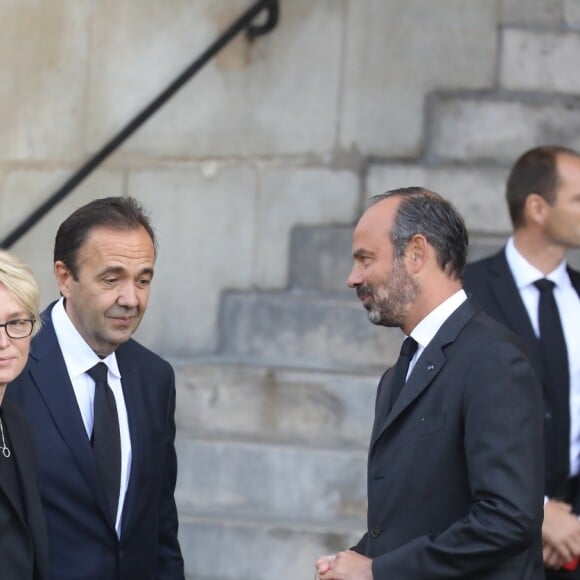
x,y
378,320
120,335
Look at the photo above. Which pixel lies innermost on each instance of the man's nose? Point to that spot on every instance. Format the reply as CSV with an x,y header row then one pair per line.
x,y
128,296
354,279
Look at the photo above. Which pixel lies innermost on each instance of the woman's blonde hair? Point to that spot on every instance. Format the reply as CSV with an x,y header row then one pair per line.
x,y
17,278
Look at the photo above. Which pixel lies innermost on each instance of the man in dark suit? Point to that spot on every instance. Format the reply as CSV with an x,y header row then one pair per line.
x,y
107,463
454,478
543,195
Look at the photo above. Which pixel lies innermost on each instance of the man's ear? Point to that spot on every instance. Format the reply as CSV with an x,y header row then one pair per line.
x,y
416,254
63,277
535,209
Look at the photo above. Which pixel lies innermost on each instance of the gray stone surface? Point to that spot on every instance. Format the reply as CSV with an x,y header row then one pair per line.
x,y
482,247
572,13
273,404
540,61
312,331
44,56
270,481
530,12
256,550
491,129
395,55
477,192
204,246
321,258
277,96
290,196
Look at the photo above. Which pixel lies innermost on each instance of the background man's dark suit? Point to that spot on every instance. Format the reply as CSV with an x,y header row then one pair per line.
x,y
492,284
23,549
447,464
75,504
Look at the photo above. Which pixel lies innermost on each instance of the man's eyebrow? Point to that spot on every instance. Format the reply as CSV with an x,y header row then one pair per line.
x,y
112,270
360,253
121,270
147,270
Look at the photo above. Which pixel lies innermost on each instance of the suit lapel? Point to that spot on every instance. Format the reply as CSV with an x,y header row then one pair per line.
x,y
426,369
382,401
509,300
48,370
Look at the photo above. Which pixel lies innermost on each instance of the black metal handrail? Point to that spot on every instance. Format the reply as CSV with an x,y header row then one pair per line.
x,y
244,22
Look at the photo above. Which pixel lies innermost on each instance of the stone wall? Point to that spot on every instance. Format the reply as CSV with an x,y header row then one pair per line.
x,y
344,98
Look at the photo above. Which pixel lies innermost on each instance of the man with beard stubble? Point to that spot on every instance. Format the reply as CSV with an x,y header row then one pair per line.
x,y
455,484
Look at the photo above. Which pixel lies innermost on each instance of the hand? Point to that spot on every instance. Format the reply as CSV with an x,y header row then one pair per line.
x,y
346,565
323,565
560,534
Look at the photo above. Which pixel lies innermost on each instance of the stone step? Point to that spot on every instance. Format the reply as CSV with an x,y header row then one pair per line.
x,y
476,191
302,329
255,480
540,60
320,258
498,128
236,401
244,549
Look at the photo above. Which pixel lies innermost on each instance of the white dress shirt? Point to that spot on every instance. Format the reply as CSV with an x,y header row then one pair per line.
x,y
569,308
424,332
79,358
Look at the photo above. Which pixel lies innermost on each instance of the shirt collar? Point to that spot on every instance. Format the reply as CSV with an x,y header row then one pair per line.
x,y
78,355
424,332
525,274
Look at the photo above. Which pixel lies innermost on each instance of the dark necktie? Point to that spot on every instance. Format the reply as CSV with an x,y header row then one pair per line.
x,y
408,349
557,382
106,439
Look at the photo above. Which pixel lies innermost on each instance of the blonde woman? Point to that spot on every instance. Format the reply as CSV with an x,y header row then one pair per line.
x,y
23,542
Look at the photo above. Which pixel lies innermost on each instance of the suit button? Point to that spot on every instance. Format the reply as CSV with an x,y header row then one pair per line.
x,y
375,532
548,416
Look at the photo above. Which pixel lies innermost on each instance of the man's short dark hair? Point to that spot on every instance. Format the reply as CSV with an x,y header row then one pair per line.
x,y
424,212
121,213
536,171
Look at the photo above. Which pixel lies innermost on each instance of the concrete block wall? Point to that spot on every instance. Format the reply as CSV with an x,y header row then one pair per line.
x,y
293,129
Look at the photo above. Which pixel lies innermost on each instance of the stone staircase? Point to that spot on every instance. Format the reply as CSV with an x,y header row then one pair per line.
x,y
273,431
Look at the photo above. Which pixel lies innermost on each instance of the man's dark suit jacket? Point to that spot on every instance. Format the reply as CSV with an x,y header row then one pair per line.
x,y
455,482
491,283
82,538
23,544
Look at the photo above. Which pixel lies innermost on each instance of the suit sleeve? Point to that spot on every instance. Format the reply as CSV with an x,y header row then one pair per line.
x,y
170,562
502,422
360,547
